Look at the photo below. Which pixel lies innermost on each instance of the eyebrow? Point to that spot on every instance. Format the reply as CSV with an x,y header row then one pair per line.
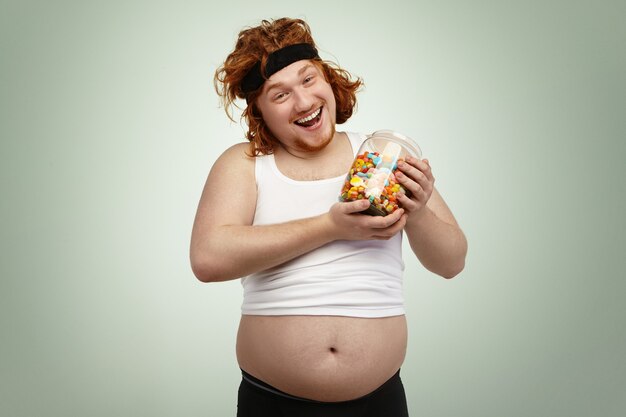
x,y
279,84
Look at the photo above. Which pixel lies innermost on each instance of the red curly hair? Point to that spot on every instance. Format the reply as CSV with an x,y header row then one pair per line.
x,y
254,45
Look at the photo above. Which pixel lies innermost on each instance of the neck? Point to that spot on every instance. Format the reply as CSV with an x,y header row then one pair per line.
x,y
305,152
334,160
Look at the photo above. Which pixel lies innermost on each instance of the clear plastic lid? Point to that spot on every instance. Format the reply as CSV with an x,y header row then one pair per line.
x,y
379,140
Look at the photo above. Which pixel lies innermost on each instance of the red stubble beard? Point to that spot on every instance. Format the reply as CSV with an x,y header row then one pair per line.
x,y
307,147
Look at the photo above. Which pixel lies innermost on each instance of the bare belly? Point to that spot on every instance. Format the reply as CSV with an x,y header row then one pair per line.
x,y
324,358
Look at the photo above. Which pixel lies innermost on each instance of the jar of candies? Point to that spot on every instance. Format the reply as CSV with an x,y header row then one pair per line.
x,y
371,175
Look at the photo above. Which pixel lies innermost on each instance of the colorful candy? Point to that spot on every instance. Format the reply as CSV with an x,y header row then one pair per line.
x,y
372,177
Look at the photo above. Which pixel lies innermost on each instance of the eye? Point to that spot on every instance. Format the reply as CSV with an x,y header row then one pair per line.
x,y
309,79
280,96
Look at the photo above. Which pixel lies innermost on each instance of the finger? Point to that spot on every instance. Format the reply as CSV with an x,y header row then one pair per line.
x,y
409,204
357,206
424,167
414,178
417,169
420,177
412,160
393,229
409,183
383,222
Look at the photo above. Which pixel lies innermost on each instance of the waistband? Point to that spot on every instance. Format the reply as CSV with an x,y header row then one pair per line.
x,y
268,388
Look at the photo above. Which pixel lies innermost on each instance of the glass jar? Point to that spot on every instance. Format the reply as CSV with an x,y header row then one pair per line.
x,y
371,175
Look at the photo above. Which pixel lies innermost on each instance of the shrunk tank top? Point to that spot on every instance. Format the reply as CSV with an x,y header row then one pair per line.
x,y
341,278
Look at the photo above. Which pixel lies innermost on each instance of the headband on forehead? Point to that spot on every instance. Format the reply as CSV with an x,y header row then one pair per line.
x,y
276,61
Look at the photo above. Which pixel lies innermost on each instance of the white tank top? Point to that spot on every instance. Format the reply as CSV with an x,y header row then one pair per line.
x,y
341,278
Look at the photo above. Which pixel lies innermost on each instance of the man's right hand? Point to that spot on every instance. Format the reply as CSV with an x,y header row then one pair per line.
x,y
349,223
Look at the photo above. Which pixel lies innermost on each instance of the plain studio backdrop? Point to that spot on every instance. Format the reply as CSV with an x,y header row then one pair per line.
x,y
109,125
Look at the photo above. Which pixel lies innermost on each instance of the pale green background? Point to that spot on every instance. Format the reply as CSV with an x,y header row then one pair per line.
x,y
110,124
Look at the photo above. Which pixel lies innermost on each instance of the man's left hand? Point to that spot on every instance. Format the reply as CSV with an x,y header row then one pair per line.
x,y
417,178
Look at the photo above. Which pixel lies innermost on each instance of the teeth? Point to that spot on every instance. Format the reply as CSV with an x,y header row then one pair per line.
x,y
311,117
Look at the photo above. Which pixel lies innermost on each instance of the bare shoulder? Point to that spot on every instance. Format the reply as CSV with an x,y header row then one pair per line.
x,y
235,157
230,184
233,170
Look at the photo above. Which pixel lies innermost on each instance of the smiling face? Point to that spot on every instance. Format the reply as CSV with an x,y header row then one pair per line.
x,y
298,107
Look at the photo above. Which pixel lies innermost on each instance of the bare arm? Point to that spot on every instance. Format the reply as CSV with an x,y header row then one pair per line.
x,y
225,245
433,232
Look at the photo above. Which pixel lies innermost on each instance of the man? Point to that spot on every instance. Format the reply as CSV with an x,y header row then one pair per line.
x,y
323,331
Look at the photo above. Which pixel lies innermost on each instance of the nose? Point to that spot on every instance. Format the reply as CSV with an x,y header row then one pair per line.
x,y
303,101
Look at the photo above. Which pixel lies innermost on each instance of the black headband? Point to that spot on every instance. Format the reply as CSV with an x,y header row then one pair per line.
x,y
276,61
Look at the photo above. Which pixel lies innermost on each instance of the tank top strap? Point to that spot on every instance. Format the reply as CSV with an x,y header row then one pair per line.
x,y
356,140
262,165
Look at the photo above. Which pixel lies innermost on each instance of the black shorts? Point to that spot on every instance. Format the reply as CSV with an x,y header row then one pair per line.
x,y
258,399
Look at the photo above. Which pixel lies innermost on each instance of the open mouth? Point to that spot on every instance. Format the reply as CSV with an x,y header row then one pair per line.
x,y
310,120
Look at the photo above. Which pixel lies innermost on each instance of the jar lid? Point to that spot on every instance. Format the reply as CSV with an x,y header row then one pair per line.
x,y
399,138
